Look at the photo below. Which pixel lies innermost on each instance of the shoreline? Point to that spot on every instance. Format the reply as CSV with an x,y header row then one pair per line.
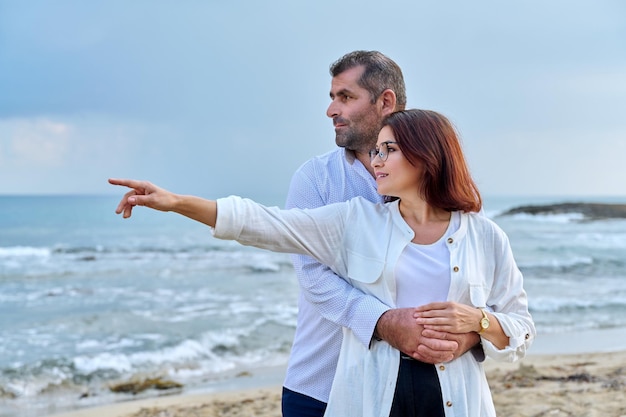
x,y
565,374
589,384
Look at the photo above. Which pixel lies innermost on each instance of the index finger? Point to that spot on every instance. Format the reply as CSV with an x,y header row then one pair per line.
x,y
127,183
432,306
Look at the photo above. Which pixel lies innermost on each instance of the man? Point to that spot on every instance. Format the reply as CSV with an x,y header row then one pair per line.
x,y
366,87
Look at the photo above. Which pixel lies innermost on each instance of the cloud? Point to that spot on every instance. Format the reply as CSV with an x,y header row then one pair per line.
x,y
73,154
27,142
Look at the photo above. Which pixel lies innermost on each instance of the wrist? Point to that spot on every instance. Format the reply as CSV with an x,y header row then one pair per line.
x,y
483,321
380,325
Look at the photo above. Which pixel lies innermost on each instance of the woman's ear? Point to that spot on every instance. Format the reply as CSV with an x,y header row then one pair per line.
x,y
388,100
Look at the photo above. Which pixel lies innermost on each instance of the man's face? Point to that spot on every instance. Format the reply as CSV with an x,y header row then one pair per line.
x,y
356,119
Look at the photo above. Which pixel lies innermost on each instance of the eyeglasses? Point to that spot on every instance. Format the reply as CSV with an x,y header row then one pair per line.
x,y
382,152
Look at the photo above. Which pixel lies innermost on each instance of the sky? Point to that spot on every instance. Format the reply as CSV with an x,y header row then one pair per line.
x,y
229,97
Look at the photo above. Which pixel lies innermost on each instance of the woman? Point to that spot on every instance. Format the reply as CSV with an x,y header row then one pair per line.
x,y
426,247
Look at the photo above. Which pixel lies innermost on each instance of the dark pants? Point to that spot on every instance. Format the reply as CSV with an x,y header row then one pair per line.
x,y
418,393
295,404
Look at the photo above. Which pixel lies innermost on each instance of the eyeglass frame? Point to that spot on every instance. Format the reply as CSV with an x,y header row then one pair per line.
x,y
383,155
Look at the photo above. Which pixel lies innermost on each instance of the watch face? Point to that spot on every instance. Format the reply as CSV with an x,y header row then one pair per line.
x,y
484,323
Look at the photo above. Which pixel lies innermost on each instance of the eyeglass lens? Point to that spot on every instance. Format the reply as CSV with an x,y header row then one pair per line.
x,y
382,152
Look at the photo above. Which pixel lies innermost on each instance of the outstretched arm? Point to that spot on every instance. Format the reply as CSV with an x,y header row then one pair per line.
x,y
434,347
144,193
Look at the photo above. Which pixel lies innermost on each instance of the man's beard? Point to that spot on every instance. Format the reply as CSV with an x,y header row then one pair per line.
x,y
362,140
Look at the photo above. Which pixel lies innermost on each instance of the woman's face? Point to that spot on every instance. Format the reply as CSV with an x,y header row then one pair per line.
x,y
395,176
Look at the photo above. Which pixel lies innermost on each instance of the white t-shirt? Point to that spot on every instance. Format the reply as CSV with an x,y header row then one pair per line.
x,y
423,271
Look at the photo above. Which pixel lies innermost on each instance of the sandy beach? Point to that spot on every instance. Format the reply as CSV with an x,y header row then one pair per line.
x,y
583,384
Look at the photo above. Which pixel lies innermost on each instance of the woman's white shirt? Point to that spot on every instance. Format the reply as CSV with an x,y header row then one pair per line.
x,y
363,242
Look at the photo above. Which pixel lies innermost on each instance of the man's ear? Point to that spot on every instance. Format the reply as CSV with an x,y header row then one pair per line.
x,y
388,100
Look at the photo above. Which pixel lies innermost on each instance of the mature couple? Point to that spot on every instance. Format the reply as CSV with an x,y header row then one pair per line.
x,y
394,293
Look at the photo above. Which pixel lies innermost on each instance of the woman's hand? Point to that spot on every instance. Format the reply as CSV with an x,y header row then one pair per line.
x,y
143,193
448,317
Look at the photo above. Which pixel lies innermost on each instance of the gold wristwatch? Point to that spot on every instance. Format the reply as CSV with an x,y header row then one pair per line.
x,y
484,322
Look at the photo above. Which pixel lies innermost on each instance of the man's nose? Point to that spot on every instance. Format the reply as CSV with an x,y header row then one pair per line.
x,y
332,110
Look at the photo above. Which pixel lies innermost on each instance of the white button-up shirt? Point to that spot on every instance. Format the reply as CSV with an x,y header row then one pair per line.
x,y
362,242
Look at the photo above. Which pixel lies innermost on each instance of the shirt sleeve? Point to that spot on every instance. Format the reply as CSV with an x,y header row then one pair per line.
x,y
509,303
334,298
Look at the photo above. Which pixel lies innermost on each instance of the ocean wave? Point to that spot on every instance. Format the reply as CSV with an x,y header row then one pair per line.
x,y
613,304
185,352
47,251
610,272
558,264
211,354
25,263
131,252
552,327
24,252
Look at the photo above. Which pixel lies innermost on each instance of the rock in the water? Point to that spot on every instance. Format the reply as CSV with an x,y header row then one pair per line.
x,y
591,211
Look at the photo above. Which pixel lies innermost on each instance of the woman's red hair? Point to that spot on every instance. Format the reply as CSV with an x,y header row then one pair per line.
x,y
427,138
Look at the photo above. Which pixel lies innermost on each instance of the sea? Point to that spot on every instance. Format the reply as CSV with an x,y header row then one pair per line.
x,y
89,301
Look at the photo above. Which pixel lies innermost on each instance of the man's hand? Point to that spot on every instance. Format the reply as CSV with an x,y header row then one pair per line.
x,y
465,341
399,328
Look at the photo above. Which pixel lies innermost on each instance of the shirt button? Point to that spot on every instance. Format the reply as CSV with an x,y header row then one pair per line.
x,y
455,269
527,336
450,240
442,368
449,403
